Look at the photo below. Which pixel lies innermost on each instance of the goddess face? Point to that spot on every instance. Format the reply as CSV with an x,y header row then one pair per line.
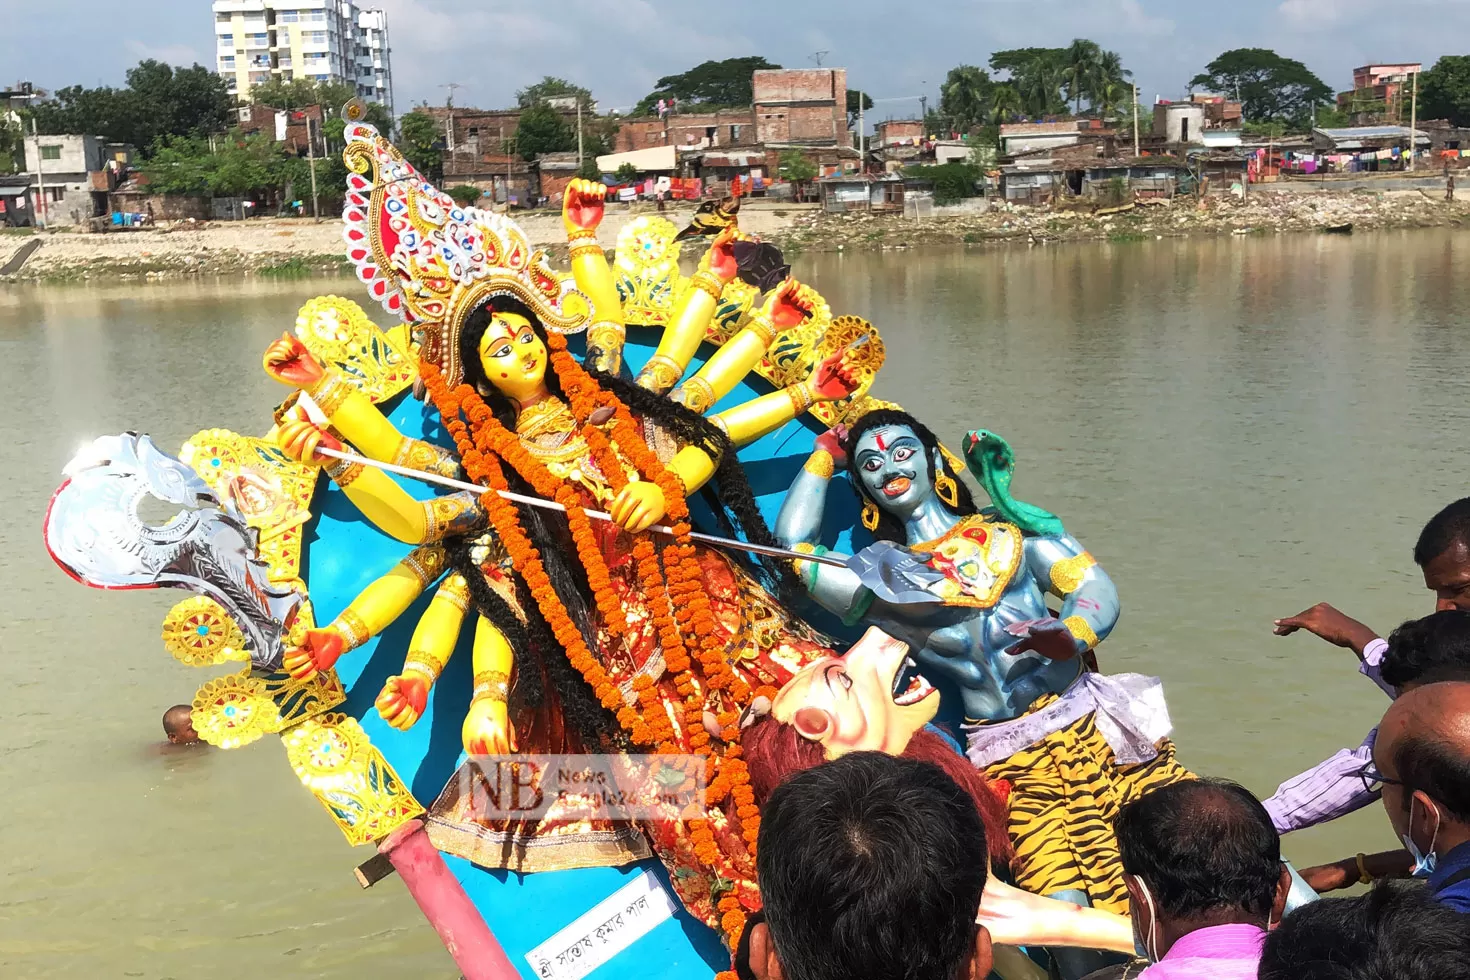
x,y
858,702
891,463
513,357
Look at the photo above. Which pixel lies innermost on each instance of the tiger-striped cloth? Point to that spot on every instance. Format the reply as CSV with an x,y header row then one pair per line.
x,y
1066,791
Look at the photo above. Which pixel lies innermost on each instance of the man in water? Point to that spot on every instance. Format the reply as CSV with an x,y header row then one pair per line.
x,y
178,725
1332,788
1422,761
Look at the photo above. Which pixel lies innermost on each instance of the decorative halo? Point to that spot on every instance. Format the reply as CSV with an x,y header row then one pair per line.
x,y
199,633
232,711
325,752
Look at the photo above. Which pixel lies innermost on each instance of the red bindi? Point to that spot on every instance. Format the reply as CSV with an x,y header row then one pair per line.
x,y
879,437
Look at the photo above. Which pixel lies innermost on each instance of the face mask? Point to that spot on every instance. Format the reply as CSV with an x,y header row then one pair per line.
x,y
1148,946
1424,864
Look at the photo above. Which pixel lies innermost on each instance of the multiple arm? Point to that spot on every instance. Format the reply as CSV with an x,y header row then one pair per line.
x,y
582,211
1089,599
799,527
681,338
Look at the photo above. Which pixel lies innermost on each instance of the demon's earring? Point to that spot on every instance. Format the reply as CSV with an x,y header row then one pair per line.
x,y
870,515
948,490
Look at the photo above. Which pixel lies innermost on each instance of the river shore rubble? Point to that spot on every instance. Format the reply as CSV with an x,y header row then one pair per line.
x,y
287,247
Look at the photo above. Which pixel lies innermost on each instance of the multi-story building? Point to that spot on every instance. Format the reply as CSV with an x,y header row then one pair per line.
x,y
1381,93
318,40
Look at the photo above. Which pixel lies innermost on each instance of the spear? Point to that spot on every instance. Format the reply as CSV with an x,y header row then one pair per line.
x,y
601,515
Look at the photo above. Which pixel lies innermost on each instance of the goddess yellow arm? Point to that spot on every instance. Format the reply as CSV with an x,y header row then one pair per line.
x,y
487,727
404,696
830,380
787,306
686,330
581,213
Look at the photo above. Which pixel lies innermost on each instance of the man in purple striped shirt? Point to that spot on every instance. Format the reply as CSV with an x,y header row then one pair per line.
x,y
1333,788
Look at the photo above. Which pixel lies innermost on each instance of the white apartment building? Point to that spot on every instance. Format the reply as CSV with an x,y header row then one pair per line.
x,y
320,40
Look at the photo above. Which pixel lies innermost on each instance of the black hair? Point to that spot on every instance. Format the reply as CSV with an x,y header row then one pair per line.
x,y
177,718
1449,527
1395,932
1204,847
889,527
1435,767
1436,647
871,866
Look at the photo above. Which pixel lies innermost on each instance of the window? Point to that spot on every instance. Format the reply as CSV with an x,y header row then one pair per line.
x,y
50,153
287,17
734,134
227,61
56,194
322,78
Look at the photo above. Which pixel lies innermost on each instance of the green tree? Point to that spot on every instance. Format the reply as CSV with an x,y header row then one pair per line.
x,y
857,103
626,173
798,168
965,97
1005,104
553,88
159,101
1038,76
1444,90
231,166
711,85
464,194
298,93
952,181
1270,87
543,130
12,156
1083,70
421,143
589,170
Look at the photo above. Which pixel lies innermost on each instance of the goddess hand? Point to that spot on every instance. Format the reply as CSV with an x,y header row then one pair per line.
x,y
488,729
403,699
289,362
639,507
722,256
834,378
319,653
582,205
300,440
791,304
831,443
1331,625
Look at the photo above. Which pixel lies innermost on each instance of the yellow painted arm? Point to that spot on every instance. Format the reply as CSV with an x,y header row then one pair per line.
x,y
487,727
727,366
693,467
389,507
748,421
353,415
404,696
686,329
582,211
376,607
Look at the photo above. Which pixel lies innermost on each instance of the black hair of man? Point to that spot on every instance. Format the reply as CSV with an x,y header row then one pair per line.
x,y
1437,768
1205,848
871,868
1428,650
177,719
1395,932
1449,527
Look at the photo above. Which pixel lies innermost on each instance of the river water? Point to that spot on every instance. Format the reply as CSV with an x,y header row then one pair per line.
x,y
1236,428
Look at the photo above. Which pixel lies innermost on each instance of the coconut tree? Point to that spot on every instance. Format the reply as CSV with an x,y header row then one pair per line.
x,y
1082,69
1005,104
964,97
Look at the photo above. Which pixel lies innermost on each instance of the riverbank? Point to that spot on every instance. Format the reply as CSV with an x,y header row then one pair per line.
x,y
296,247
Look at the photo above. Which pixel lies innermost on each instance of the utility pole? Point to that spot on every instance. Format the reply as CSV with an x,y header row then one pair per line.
x,y
311,162
1135,120
579,132
449,104
862,136
1414,122
40,178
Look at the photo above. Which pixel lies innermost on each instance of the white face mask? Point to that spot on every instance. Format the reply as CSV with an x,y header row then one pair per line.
x,y
1424,863
1149,943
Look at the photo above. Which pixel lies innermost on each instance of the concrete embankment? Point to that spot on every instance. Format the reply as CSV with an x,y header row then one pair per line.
x,y
296,247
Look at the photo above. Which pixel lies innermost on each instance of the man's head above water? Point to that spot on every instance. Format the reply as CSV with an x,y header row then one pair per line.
x,y
178,725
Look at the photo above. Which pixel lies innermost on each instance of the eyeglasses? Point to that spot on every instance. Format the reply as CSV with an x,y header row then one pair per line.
x,y
1374,781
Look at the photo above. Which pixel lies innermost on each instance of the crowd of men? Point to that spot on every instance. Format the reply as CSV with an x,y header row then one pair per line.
x,y
872,867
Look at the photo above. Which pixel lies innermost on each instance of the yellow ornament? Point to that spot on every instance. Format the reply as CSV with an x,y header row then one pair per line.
x,y
232,711
340,335
199,633
334,759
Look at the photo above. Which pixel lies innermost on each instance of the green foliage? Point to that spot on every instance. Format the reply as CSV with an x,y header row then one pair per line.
x,y
1044,80
711,85
797,167
588,170
159,101
952,181
1270,87
12,150
626,173
1269,127
1444,90
419,139
543,130
464,194
298,93
1331,117
1115,191
965,98
856,100
235,166
553,88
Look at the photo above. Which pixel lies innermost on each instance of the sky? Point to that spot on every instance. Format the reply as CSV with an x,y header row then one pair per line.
x,y
895,51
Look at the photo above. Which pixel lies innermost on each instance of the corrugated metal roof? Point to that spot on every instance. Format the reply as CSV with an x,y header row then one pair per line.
x,y
1368,132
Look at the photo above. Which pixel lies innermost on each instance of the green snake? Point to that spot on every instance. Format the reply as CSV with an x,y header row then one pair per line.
x,y
992,463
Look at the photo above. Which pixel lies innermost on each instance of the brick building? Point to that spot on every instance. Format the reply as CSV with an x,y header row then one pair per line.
x,y
286,126
803,109
688,130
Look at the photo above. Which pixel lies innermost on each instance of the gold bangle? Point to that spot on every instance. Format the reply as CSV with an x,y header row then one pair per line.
x,y
343,472
707,283
589,248
1364,878
491,685
762,328
426,562
821,464
606,333
696,394
352,628
802,397
660,373
718,421
1081,630
582,235
424,662
330,392
455,591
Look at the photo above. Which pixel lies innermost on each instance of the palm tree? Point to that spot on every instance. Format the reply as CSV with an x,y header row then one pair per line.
x,y
1112,96
1005,104
964,96
1082,68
